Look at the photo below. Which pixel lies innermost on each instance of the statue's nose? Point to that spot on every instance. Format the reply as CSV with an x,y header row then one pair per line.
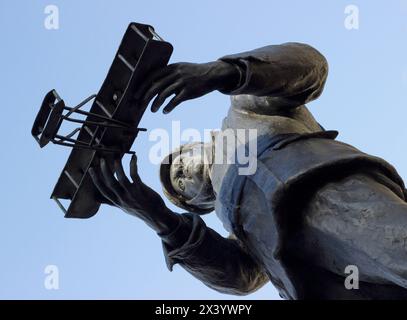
x,y
189,168
193,168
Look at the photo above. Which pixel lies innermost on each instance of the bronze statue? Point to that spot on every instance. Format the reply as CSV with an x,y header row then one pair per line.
x,y
314,205
309,208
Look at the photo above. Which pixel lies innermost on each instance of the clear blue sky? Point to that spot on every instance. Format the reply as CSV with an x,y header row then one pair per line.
x,y
114,255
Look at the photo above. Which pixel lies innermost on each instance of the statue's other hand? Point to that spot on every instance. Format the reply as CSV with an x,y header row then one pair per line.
x,y
133,197
186,81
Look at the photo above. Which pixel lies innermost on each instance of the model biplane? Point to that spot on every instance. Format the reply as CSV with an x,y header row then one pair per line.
x,y
109,127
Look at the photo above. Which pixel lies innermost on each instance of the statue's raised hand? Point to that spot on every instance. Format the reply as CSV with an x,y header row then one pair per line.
x,y
186,81
133,197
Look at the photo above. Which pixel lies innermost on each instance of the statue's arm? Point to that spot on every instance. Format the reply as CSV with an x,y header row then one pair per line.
x,y
295,73
292,73
220,263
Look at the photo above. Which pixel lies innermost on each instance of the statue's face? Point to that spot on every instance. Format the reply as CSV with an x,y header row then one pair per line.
x,y
187,172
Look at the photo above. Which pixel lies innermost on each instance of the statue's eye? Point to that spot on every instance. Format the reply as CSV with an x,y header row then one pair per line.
x,y
181,184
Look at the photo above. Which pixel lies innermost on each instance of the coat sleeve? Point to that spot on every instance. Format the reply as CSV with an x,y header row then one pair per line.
x,y
220,263
291,73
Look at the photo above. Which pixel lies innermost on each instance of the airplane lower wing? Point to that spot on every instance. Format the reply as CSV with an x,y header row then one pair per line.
x,y
110,126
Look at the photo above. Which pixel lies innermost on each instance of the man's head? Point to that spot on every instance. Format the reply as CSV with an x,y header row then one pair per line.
x,y
185,178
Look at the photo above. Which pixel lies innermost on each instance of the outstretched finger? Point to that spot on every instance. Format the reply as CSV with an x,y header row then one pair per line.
x,y
121,176
133,170
158,86
111,181
154,76
180,97
170,90
104,191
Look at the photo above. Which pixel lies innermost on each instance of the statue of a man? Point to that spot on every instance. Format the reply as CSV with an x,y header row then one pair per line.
x,y
312,207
